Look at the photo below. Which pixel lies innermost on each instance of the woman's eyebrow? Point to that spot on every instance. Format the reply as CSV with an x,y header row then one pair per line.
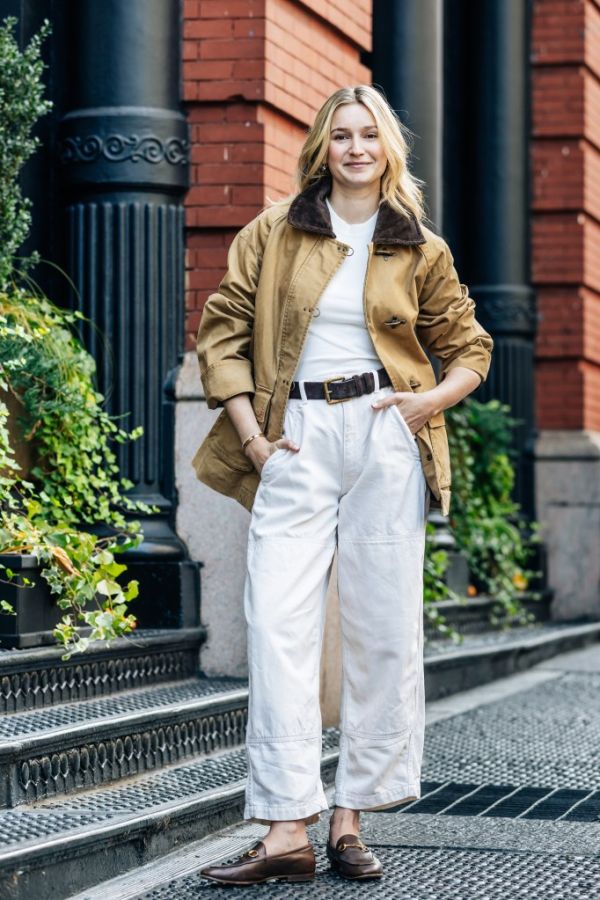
x,y
363,128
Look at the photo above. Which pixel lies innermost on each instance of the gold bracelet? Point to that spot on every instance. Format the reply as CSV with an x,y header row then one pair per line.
x,y
251,438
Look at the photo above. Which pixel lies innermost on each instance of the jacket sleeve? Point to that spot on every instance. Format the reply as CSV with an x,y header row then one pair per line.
x,y
225,331
446,324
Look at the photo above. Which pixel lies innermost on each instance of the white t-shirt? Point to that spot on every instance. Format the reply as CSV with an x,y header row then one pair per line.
x,y
338,341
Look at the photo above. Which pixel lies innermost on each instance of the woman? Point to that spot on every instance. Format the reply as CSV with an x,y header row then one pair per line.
x,y
333,435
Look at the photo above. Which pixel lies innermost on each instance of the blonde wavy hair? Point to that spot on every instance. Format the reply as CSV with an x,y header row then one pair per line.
x,y
399,187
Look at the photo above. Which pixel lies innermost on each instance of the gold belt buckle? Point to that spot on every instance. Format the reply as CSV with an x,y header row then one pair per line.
x,y
328,396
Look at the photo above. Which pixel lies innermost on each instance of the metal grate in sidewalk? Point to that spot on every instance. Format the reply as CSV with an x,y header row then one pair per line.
x,y
427,873
506,801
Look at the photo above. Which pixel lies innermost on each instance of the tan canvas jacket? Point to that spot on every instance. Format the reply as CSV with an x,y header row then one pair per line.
x,y
254,326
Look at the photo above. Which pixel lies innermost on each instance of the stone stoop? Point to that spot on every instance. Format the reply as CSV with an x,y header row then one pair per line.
x,y
91,743
93,788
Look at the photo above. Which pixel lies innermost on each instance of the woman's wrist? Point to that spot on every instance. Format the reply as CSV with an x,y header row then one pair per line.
x,y
254,445
251,437
457,385
434,402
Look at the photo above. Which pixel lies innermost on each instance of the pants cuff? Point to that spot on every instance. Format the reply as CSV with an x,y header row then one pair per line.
x,y
383,800
265,814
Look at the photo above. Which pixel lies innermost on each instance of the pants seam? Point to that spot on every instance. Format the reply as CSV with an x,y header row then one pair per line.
x,y
386,539
291,540
377,734
283,739
279,805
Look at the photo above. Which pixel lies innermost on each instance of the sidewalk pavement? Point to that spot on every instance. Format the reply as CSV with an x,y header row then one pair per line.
x,y
510,805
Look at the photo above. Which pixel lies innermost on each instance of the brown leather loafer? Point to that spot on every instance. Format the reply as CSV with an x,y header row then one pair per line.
x,y
353,859
255,866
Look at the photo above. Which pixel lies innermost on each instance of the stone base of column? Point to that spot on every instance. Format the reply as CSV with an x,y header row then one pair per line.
x,y
214,529
567,472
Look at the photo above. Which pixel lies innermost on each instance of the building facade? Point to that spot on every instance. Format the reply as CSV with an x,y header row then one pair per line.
x,y
174,122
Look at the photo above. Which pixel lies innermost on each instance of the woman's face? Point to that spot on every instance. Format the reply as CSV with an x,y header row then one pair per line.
x,y
355,158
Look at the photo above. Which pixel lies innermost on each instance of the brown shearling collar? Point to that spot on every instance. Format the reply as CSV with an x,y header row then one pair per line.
x,y
308,211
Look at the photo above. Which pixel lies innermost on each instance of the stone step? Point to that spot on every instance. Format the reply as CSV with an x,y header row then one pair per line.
x,y
473,616
77,746
38,678
58,846
482,658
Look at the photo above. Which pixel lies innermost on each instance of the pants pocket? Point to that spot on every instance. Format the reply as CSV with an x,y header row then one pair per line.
x,y
268,464
396,414
291,429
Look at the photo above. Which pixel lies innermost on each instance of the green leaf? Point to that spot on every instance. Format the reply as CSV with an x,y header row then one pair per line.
x,y
132,590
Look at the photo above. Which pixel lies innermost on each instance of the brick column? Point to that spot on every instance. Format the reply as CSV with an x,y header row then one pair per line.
x,y
255,73
565,152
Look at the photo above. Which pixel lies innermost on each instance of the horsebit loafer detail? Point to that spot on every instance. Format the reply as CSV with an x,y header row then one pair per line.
x,y
256,867
353,859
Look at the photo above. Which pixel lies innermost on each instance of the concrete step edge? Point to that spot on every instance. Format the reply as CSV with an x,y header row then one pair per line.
x,y
101,726
553,634
142,640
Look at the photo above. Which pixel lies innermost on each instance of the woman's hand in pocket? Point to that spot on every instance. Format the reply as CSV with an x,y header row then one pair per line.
x,y
415,409
260,449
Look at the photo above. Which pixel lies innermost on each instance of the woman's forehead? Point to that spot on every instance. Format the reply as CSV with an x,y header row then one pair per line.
x,y
352,114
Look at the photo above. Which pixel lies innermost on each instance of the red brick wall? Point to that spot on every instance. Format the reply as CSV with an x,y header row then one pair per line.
x,y
255,72
565,155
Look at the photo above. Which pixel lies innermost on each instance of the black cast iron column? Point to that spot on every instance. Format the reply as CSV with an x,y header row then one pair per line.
x,y
124,150
495,220
407,62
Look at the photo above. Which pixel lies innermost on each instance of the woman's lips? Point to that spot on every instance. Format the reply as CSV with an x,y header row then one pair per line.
x,y
356,165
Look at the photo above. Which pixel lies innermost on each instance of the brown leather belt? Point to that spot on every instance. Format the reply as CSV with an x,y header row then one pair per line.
x,y
340,387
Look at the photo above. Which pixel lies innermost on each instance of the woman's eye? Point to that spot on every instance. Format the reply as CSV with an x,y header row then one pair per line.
x,y
344,137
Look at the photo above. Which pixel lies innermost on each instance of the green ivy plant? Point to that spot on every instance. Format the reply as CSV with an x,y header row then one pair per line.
x,y
435,587
22,103
74,482
485,520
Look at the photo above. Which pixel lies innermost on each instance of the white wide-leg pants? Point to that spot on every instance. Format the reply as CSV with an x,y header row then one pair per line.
x,y
356,482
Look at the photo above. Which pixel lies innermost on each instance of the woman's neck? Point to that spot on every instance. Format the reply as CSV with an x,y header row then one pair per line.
x,y
354,206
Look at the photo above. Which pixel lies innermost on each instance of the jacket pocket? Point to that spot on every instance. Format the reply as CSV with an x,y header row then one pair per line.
x,y
224,437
